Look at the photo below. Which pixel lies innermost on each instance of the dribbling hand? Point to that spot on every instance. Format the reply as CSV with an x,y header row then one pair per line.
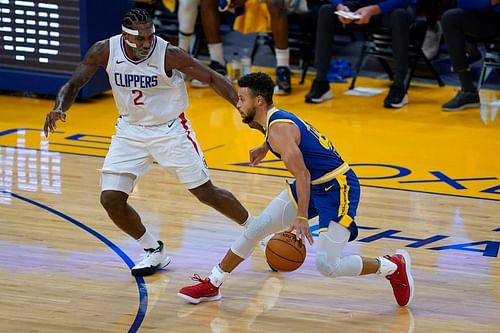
x,y
50,121
302,230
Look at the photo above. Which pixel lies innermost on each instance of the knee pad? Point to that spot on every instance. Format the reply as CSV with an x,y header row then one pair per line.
x,y
123,182
278,215
248,240
257,228
326,268
243,247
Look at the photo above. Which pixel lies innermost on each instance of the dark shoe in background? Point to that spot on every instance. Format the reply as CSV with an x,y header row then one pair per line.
x,y
320,92
396,98
283,81
462,100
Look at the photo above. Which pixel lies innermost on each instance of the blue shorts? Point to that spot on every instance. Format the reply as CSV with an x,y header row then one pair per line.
x,y
334,200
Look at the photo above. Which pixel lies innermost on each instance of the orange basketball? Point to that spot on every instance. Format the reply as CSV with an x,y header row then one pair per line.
x,y
284,252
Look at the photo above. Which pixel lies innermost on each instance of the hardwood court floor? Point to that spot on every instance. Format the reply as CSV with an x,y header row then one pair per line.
x,y
431,185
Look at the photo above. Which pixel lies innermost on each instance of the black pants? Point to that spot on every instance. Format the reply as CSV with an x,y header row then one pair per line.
x,y
459,25
398,21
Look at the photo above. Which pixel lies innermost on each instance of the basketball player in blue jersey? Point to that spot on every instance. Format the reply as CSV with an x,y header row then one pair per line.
x,y
150,94
324,186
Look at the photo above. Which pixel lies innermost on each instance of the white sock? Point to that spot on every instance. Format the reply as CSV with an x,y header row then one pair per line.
x,y
386,267
218,276
282,57
250,218
185,42
147,241
216,53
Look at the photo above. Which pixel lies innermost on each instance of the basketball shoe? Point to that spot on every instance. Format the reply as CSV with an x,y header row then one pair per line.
x,y
401,280
153,260
204,291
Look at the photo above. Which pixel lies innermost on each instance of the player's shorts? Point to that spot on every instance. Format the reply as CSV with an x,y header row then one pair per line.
x,y
334,200
173,145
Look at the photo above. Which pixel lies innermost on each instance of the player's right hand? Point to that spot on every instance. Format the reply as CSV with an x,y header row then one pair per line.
x,y
302,231
257,154
50,121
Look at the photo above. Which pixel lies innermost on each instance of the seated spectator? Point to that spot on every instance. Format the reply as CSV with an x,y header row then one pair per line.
x,y
397,15
475,19
278,10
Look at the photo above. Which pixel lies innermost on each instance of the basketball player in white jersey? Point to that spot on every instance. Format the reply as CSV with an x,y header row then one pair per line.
x,y
150,94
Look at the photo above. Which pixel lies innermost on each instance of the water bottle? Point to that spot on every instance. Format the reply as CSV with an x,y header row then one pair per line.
x,y
246,63
236,66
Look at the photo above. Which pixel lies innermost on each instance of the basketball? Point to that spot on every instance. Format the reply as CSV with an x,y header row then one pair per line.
x,y
284,252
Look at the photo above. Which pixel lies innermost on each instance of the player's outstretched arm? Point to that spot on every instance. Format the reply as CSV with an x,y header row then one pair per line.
x,y
179,59
96,56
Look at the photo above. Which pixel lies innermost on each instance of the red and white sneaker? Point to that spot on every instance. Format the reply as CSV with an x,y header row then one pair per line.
x,y
401,280
204,291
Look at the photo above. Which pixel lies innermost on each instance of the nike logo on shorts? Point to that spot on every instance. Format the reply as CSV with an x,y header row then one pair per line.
x,y
171,123
328,188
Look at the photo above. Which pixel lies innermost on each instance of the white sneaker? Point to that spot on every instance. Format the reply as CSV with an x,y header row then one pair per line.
x,y
153,260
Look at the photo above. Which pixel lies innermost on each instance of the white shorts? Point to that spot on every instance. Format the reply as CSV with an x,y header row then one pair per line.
x,y
173,145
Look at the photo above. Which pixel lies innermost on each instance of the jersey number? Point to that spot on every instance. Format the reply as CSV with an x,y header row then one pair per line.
x,y
138,97
323,140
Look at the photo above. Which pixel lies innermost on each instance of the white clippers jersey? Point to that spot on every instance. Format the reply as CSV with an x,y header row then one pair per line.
x,y
143,92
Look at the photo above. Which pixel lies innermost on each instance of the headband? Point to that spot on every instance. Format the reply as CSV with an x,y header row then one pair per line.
x,y
133,32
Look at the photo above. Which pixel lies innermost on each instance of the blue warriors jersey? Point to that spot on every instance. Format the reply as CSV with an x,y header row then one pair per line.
x,y
334,186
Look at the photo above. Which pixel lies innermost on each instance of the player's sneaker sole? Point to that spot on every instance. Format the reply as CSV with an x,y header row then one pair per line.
x,y
201,299
145,271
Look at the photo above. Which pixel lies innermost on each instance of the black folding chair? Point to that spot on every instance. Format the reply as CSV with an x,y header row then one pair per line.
x,y
378,44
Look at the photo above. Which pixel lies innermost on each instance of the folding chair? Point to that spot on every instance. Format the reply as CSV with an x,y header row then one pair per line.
x,y
491,60
378,44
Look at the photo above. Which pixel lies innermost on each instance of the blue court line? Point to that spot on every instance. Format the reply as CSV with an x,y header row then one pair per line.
x,y
262,174
143,291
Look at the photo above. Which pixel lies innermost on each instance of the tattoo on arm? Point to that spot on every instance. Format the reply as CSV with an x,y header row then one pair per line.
x,y
95,57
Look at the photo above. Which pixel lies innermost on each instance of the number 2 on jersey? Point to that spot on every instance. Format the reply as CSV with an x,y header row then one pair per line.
x,y
138,94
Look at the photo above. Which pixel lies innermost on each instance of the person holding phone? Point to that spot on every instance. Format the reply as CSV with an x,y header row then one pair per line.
x,y
397,15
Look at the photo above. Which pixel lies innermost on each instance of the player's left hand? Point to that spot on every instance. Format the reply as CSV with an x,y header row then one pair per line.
x,y
257,154
302,230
